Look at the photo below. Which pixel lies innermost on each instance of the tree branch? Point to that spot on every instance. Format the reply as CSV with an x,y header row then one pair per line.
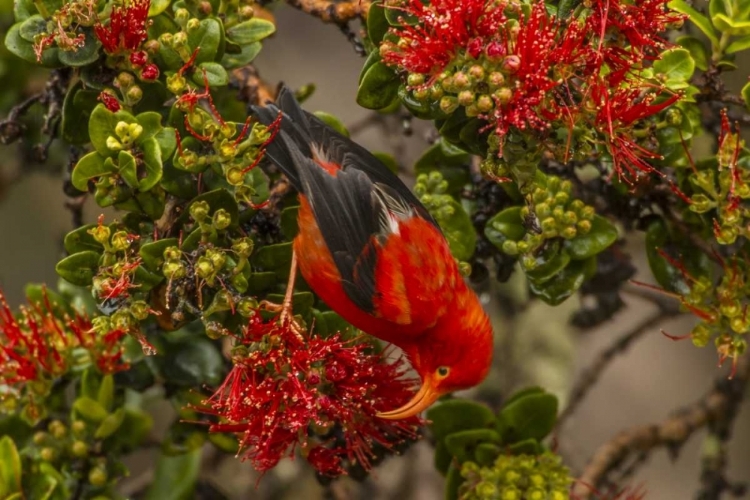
x,y
592,374
719,405
329,11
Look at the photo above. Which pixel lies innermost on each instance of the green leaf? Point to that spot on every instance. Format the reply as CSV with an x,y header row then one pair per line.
x,y
207,38
250,31
156,7
525,447
212,72
548,264
77,108
566,7
697,51
660,238
485,454
175,477
288,222
110,425
106,393
80,240
564,284
463,444
443,459
372,58
146,280
700,21
529,417
378,88
731,26
79,268
151,123
31,27
90,383
459,231
84,55
152,253
25,49
676,66
377,24
216,199
43,484
272,257
745,92
246,55
260,282
152,163
167,141
506,225
738,45
456,415
102,125
716,7
332,122
10,468
126,167
90,409
329,323
193,363
453,481
602,234
23,9
90,167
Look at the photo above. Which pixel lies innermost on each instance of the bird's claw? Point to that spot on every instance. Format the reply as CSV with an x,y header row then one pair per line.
x,y
285,318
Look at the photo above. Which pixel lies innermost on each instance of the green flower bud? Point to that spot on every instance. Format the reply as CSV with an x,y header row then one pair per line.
x,y
192,25
166,39
179,39
436,92
569,233
561,198
476,72
113,144
673,116
120,241
204,268
553,183
466,98
221,219
235,176
247,307
738,324
124,80
48,454
199,211
472,110
140,310
246,12
496,79
510,247
461,81
542,210
726,235
549,224
523,247
134,94
414,79
583,226
587,212
79,449
100,234
448,104
40,438
485,103
172,253
181,16
176,83
421,94
98,476
243,247
528,263
57,429
218,258
173,269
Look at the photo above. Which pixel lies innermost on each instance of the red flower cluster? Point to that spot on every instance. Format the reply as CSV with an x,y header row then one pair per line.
x,y
529,71
320,395
37,344
126,29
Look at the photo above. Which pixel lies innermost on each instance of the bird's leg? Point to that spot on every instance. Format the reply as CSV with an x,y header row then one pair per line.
x,y
285,307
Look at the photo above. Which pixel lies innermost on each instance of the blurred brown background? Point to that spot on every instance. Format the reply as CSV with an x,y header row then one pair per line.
x,y
654,378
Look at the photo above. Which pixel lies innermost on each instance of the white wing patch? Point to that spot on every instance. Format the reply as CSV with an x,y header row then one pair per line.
x,y
392,210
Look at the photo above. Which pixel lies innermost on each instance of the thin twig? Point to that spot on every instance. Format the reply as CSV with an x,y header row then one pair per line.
x,y
719,404
333,12
592,374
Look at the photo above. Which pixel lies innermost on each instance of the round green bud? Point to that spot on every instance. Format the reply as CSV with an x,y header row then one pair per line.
x,y
485,103
421,94
549,224
415,79
476,72
173,269
673,116
472,110
243,247
172,253
204,268
553,183
218,258
40,438
247,307
542,210
235,176
587,212
98,476
179,39
79,449
510,247
738,324
496,79
436,92
448,104
181,16
113,144
523,247
140,310
100,234
134,94
528,262
120,241
193,24
583,226
176,83
246,12
78,427
466,98
166,39
48,454
199,211
57,429
503,95
569,233
221,219
124,80
461,81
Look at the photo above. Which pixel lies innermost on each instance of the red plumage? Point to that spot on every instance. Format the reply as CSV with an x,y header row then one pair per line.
x,y
373,253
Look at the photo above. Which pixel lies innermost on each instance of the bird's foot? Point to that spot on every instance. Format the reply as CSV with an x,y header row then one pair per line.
x,y
286,318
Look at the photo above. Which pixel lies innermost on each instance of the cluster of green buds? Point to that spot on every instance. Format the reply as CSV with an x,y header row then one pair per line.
x,y
552,213
78,445
431,189
129,89
477,85
117,265
722,308
517,477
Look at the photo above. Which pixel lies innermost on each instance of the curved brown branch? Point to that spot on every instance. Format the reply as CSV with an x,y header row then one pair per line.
x,y
329,11
720,403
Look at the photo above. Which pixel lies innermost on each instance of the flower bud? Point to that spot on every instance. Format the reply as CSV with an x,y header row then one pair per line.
x,y
48,454
496,79
246,12
542,210
243,247
569,233
134,94
124,80
472,110
166,39
199,211
476,72
673,116
120,241
172,253
583,226
247,307
466,98
414,79
235,176
179,39
152,46
448,104
140,310
173,269
218,258
176,83
40,438
494,51
510,247
181,16
193,25
221,219
436,92
204,268
511,64
100,233
113,144
503,95
138,58
421,94
461,81
79,449
98,476
150,72
57,429
485,103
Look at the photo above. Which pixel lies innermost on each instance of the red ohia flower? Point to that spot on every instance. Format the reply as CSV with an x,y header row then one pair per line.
x,y
320,395
110,102
126,29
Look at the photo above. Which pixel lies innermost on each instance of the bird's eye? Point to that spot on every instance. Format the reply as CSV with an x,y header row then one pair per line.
x,y
443,371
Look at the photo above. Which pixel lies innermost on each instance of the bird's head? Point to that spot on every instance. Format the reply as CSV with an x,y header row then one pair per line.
x,y
455,354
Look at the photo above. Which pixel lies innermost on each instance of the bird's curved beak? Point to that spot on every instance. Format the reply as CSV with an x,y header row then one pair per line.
x,y
421,401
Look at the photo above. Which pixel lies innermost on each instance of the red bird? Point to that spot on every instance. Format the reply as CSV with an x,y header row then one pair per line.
x,y
375,255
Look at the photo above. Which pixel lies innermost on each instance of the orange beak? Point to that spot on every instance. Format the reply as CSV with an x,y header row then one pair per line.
x,y
422,400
